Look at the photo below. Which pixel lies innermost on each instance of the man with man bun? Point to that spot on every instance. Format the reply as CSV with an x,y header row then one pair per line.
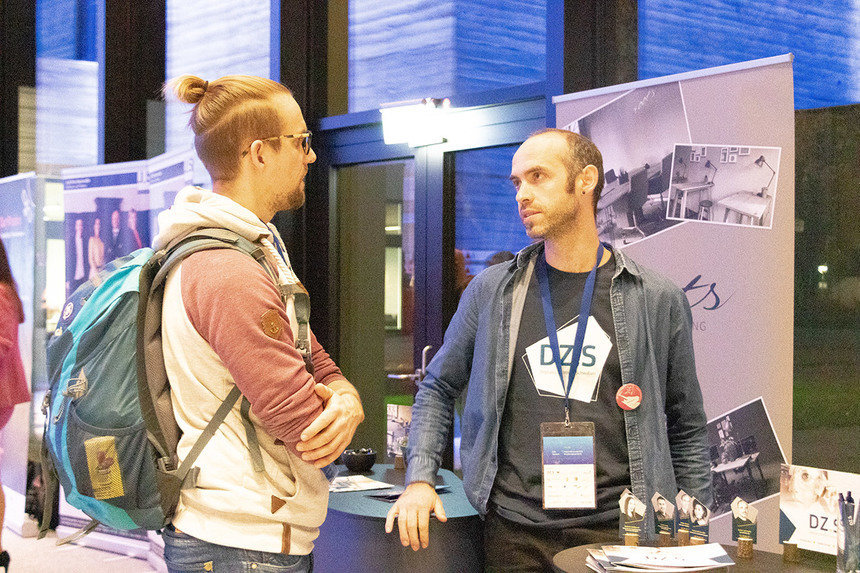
x,y
225,324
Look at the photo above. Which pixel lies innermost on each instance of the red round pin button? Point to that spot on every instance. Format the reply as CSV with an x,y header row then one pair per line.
x,y
629,397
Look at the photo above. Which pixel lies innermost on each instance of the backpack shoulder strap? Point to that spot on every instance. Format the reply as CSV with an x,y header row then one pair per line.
x,y
156,407
153,386
204,239
302,304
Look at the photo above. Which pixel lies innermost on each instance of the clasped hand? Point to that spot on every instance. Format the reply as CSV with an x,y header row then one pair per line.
x,y
331,432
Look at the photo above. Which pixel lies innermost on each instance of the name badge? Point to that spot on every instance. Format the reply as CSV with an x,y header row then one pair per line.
x,y
569,471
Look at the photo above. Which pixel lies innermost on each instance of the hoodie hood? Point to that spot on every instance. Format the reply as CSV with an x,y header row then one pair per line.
x,y
195,208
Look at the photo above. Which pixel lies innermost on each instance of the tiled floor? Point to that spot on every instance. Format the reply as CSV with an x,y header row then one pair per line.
x,y
40,556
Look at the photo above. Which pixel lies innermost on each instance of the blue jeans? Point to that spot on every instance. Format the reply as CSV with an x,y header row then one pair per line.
x,y
184,553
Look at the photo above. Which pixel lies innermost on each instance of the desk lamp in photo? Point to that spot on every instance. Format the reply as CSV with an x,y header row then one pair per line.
x,y
709,165
680,174
762,161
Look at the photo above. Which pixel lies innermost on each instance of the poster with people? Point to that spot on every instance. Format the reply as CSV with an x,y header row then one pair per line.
x,y
103,205
110,210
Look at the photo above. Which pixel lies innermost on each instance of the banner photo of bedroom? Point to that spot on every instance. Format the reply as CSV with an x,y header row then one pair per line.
x,y
729,184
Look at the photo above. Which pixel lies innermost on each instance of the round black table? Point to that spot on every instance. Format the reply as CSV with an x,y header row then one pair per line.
x,y
353,536
573,561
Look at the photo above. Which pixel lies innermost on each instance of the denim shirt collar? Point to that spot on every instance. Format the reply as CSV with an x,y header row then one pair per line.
x,y
623,263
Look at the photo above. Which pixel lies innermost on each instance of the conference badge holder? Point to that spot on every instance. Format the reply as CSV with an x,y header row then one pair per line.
x,y
569,471
567,448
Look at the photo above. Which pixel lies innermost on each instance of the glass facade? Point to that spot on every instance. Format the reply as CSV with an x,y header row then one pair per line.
x,y
417,48
67,100
210,40
487,226
678,36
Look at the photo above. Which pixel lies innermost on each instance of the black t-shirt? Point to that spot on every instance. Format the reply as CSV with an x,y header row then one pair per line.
x,y
517,492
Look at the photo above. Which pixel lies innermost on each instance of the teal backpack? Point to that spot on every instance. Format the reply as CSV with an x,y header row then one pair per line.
x,y
110,433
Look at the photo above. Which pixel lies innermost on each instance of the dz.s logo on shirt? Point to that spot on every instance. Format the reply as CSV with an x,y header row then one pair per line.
x,y
595,350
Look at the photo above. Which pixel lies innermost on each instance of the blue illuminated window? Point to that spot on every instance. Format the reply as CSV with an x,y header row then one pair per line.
x,y
418,48
67,98
214,39
679,36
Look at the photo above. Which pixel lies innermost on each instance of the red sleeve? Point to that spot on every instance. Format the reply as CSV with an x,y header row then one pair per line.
x,y
233,303
325,370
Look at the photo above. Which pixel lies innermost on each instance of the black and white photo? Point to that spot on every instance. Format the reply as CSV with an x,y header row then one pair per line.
x,y
636,133
728,184
745,456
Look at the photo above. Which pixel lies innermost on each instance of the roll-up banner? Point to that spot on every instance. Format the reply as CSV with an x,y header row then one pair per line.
x,y
21,227
699,185
111,210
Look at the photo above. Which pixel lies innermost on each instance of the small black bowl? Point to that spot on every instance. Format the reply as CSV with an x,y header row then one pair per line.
x,y
359,461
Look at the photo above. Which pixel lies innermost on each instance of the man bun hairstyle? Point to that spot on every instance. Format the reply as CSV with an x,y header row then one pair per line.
x,y
581,152
228,115
187,88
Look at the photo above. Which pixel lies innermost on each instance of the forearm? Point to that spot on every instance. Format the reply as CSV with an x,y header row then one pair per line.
x,y
259,354
432,415
325,370
691,463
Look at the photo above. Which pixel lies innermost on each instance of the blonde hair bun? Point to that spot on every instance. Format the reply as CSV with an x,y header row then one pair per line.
x,y
186,88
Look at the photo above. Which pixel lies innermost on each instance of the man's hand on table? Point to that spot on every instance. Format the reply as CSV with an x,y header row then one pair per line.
x,y
412,511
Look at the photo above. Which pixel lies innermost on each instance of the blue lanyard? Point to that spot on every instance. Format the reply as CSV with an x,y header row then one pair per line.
x,y
277,242
549,318
278,247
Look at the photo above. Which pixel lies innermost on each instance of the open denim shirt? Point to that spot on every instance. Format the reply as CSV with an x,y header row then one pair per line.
x,y
666,434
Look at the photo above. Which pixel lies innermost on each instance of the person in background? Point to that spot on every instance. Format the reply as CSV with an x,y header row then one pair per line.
x,y
461,273
96,250
113,242
75,258
129,237
13,382
500,257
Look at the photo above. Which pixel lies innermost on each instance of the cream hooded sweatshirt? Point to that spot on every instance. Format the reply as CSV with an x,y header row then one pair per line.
x,y
224,324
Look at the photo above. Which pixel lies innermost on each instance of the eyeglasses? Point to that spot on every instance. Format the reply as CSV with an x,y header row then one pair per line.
x,y
306,141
